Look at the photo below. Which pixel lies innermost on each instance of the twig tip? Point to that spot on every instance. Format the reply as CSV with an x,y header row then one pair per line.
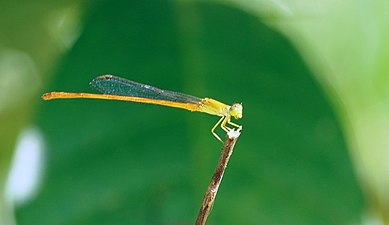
x,y
234,133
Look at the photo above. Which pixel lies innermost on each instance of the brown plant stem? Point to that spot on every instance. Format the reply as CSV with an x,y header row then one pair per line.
x,y
210,194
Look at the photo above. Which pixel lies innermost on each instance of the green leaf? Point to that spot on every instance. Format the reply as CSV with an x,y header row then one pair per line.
x,y
126,163
344,43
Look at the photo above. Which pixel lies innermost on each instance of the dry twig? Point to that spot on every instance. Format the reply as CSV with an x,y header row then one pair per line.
x,y
213,187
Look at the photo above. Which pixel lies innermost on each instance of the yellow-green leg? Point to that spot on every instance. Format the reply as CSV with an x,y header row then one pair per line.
x,y
233,124
223,125
214,127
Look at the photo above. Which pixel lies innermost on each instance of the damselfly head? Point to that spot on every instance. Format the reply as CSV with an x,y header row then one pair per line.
x,y
236,110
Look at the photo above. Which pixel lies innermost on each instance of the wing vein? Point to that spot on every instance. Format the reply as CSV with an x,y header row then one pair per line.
x,y
112,85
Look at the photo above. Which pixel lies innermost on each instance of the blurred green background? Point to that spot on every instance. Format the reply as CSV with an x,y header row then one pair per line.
x,y
305,73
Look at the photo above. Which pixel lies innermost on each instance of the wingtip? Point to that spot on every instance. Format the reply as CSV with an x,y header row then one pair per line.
x,y
105,76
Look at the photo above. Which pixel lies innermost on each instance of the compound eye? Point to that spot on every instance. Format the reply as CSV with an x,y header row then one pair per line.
x,y
236,110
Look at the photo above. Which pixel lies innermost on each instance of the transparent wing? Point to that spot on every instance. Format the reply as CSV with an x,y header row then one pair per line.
x,y
112,85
